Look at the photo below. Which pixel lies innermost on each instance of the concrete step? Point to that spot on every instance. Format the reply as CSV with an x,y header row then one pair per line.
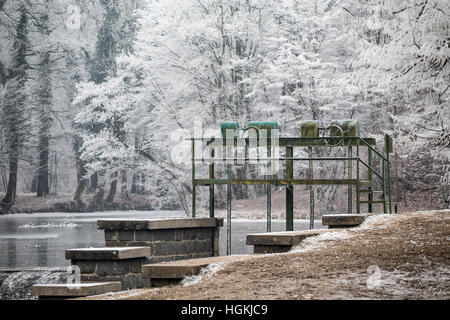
x,y
119,253
111,264
67,291
343,220
174,271
158,224
280,241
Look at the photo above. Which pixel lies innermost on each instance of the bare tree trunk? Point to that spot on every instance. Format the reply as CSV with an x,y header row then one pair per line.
x,y
98,202
134,183
10,197
124,186
94,182
81,181
112,190
43,185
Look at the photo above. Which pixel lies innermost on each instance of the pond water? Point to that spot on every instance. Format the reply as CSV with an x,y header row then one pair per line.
x,y
40,240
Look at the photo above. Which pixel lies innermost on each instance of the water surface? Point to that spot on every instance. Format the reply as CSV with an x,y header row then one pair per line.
x,y
40,240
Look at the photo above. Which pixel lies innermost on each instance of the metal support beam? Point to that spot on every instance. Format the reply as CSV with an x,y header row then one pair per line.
x,y
358,199
388,173
211,187
369,173
311,190
229,211
384,185
289,191
277,182
350,172
269,173
269,208
194,186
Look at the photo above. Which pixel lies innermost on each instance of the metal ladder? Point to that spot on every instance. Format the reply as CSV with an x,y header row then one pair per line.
x,y
366,187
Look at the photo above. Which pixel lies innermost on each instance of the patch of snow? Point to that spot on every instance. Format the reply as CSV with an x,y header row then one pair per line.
x,y
321,241
128,294
206,272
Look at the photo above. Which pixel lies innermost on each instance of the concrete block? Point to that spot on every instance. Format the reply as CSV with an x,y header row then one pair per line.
x,y
163,235
136,264
168,248
291,238
205,246
113,244
143,235
178,234
343,220
205,233
113,268
264,249
75,290
111,235
190,234
118,253
126,235
157,224
130,282
183,268
85,266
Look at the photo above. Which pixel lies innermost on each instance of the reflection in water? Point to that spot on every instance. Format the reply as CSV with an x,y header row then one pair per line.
x,y
41,248
12,247
11,254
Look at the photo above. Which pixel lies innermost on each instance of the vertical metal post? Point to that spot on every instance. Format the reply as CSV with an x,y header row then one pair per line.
x,y
269,208
211,186
311,190
358,199
289,190
229,210
269,189
194,186
384,185
388,173
350,173
369,173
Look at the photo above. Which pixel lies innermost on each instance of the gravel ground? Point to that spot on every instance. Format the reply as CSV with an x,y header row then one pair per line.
x,y
404,256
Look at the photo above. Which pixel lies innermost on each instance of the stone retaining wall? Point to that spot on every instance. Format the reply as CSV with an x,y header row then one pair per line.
x,y
169,240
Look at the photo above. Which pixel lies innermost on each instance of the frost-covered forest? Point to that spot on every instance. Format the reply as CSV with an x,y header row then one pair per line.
x,y
95,93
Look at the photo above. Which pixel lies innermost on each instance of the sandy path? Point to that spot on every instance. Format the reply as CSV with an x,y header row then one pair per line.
x,y
388,257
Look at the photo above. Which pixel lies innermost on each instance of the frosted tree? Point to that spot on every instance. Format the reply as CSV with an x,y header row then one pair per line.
x,y
44,99
14,109
101,66
409,64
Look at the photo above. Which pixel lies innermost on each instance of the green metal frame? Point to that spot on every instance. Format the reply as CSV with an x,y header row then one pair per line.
x,y
289,143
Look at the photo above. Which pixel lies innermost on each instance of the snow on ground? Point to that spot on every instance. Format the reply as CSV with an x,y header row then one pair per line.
x,y
206,272
320,241
121,295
